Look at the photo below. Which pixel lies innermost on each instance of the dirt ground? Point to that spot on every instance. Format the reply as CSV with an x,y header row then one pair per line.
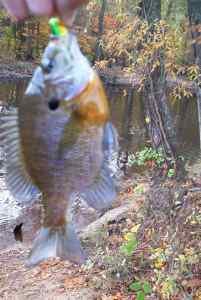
x,y
165,220
53,280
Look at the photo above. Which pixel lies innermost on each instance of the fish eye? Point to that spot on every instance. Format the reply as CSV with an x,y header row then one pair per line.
x,y
53,104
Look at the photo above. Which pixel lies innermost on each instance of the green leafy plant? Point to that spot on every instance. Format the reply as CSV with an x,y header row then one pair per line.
x,y
153,158
146,155
129,247
171,173
139,189
141,289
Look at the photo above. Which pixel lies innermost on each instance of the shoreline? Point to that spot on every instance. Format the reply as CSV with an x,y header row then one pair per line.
x,y
113,76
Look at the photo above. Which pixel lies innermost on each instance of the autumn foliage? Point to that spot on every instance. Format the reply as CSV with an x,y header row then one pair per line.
x,y
138,48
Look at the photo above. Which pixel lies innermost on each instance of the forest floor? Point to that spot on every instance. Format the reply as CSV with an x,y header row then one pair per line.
x,y
148,247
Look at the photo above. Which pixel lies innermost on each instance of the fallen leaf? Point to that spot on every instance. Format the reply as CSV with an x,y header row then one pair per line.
x,y
193,283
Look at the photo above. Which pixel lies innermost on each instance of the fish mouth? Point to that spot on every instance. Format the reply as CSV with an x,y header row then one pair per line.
x,y
61,88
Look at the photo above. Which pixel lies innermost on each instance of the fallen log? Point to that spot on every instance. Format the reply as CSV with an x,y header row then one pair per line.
x,y
110,216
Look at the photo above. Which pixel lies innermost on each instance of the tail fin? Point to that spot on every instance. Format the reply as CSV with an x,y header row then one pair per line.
x,y
57,242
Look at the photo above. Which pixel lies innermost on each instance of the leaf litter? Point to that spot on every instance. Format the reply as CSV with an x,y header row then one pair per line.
x,y
161,241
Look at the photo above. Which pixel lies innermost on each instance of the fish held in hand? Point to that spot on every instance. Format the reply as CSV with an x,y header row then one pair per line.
x,y
59,142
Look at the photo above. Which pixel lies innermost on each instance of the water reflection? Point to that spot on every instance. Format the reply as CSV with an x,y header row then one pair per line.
x,y
127,116
186,124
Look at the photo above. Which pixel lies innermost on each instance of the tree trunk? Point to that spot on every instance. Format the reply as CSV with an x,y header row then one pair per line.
x,y
100,29
194,13
151,10
198,94
158,116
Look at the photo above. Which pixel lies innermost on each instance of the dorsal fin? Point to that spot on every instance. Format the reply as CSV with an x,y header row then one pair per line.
x,y
18,180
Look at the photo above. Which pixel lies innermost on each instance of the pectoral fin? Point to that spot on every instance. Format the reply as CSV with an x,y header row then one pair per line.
x,y
18,180
101,194
110,141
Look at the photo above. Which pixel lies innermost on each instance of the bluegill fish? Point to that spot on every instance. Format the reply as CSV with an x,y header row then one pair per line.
x,y
59,142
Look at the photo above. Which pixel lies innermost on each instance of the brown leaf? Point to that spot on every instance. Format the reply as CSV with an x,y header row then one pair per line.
x,y
72,282
193,283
